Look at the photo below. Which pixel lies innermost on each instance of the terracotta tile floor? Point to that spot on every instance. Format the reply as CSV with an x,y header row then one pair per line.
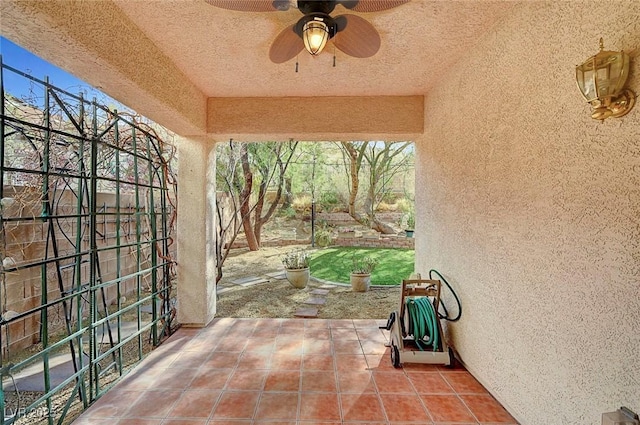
x,y
290,372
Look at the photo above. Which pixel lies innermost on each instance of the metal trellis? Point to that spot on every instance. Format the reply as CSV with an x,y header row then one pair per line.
x,y
83,298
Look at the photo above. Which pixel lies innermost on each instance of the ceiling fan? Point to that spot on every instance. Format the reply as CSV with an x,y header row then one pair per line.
x,y
355,36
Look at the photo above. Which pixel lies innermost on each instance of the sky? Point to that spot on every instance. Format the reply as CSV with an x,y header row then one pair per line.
x,y
25,61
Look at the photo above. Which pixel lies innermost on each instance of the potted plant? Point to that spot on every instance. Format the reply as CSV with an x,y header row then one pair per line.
x,y
411,224
361,273
296,265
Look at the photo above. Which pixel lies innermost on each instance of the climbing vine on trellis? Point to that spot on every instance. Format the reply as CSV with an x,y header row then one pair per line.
x,y
88,213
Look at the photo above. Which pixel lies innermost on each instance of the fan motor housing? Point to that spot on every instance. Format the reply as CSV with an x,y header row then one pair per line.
x,y
310,6
332,26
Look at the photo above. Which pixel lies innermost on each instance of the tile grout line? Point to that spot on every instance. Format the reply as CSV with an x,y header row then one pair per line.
x,y
373,379
231,373
335,376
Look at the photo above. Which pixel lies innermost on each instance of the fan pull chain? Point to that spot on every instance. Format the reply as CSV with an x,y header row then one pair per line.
x,y
334,55
296,63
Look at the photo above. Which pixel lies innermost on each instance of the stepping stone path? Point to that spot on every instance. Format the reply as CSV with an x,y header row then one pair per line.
x,y
246,282
32,377
249,281
317,298
126,330
277,275
307,312
316,301
149,310
317,295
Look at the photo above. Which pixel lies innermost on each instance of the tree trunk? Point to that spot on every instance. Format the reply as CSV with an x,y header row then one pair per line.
x,y
257,222
237,177
220,234
288,197
381,227
355,161
281,169
356,155
260,221
353,177
245,196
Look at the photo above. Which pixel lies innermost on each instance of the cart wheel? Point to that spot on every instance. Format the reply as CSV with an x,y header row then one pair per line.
x,y
395,356
452,359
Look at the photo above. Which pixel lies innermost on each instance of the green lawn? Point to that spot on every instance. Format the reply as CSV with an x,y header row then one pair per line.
x,y
334,264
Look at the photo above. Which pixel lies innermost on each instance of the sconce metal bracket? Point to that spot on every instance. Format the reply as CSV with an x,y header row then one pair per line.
x,y
623,103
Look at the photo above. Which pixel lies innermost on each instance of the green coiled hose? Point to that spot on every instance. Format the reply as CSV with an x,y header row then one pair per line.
x,y
423,321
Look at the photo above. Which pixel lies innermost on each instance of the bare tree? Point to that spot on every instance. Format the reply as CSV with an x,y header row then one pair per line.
x,y
240,165
384,160
354,154
272,161
245,198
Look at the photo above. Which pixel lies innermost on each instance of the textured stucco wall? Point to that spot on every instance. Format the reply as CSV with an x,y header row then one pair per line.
x,y
101,45
317,118
196,234
532,210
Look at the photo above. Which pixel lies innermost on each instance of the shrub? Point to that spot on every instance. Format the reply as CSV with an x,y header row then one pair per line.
x,y
289,212
363,265
385,207
404,205
323,237
410,218
302,203
297,259
328,201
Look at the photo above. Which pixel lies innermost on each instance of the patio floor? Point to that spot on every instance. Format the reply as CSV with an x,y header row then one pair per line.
x,y
290,372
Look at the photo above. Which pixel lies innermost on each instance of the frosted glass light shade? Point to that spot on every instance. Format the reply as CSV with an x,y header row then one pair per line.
x,y
315,35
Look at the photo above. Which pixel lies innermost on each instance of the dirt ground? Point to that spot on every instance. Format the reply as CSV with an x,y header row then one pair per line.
x,y
278,299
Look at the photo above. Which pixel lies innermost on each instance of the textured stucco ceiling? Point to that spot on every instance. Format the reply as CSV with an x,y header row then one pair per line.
x,y
171,59
225,53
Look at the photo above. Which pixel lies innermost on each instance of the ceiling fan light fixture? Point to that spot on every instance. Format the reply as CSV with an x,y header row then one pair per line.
x,y
315,34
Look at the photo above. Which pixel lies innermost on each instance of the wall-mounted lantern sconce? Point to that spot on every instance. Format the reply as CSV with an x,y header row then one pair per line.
x,y
601,80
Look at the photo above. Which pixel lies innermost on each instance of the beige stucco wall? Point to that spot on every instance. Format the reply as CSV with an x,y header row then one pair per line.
x,y
318,118
196,235
98,43
529,207
532,210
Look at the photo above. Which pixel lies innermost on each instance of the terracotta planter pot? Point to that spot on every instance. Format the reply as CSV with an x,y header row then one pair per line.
x,y
298,277
360,282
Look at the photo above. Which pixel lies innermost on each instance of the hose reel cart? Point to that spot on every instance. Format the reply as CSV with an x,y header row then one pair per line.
x,y
415,331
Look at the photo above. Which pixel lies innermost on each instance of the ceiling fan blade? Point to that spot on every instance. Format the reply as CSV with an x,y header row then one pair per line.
x,y
358,38
286,46
372,5
250,5
284,5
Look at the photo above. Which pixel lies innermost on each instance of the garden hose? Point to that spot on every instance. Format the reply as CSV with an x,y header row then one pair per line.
x,y
445,316
423,322
423,318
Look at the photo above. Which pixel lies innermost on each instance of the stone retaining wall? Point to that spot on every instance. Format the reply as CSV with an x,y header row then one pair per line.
x,y
387,241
